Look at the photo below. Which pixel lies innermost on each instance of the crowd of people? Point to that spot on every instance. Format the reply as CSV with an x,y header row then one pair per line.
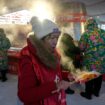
x,y
50,59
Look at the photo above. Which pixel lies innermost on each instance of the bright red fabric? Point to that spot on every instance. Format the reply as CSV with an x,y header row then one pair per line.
x,y
36,82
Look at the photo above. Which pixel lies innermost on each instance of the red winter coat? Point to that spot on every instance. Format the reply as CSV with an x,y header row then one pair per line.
x,y
36,83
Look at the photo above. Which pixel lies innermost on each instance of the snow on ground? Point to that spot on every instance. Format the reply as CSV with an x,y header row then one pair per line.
x,y
8,91
76,99
8,94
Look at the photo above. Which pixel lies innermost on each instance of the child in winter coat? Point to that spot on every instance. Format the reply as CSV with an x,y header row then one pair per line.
x,y
40,77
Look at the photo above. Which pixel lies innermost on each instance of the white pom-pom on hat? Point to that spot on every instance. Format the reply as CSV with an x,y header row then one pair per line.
x,y
42,28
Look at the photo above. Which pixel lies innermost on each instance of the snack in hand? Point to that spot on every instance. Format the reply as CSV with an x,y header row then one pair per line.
x,y
86,76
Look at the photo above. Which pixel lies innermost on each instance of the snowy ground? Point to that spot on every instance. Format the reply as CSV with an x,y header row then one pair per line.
x,y
76,99
8,91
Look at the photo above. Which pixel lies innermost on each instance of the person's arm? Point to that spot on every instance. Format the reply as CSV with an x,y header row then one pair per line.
x,y
67,76
83,42
30,90
8,43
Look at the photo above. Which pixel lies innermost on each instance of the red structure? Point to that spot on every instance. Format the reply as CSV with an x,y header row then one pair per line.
x,y
103,77
14,56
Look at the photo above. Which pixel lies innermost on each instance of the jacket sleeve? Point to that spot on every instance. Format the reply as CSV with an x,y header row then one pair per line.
x,y
29,88
83,42
65,75
6,44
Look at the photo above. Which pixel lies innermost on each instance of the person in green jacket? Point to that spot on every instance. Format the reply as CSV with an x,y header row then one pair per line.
x,y
4,46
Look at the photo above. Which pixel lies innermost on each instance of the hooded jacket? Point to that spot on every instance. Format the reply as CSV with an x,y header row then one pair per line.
x,y
92,44
37,81
4,46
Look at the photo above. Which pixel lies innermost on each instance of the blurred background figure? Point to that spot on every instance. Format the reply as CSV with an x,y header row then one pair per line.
x,y
92,44
70,56
4,46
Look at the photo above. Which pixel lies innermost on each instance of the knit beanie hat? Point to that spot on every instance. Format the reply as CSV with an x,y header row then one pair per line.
x,y
43,28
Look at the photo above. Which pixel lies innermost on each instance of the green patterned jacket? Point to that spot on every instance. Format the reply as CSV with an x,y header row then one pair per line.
x,y
92,44
4,46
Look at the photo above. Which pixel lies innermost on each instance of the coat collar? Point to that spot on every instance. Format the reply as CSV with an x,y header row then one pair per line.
x,y
37,48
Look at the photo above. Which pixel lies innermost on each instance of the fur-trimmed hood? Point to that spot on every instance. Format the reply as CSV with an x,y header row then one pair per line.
x,y
37,48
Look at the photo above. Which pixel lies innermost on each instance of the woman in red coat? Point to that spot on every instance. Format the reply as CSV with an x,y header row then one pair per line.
x,y
40,78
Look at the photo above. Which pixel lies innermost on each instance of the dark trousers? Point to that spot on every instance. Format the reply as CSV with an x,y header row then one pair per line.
x,y
3,74
93,86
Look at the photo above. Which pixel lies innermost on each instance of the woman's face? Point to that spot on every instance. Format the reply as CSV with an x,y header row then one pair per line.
x,y
51,40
